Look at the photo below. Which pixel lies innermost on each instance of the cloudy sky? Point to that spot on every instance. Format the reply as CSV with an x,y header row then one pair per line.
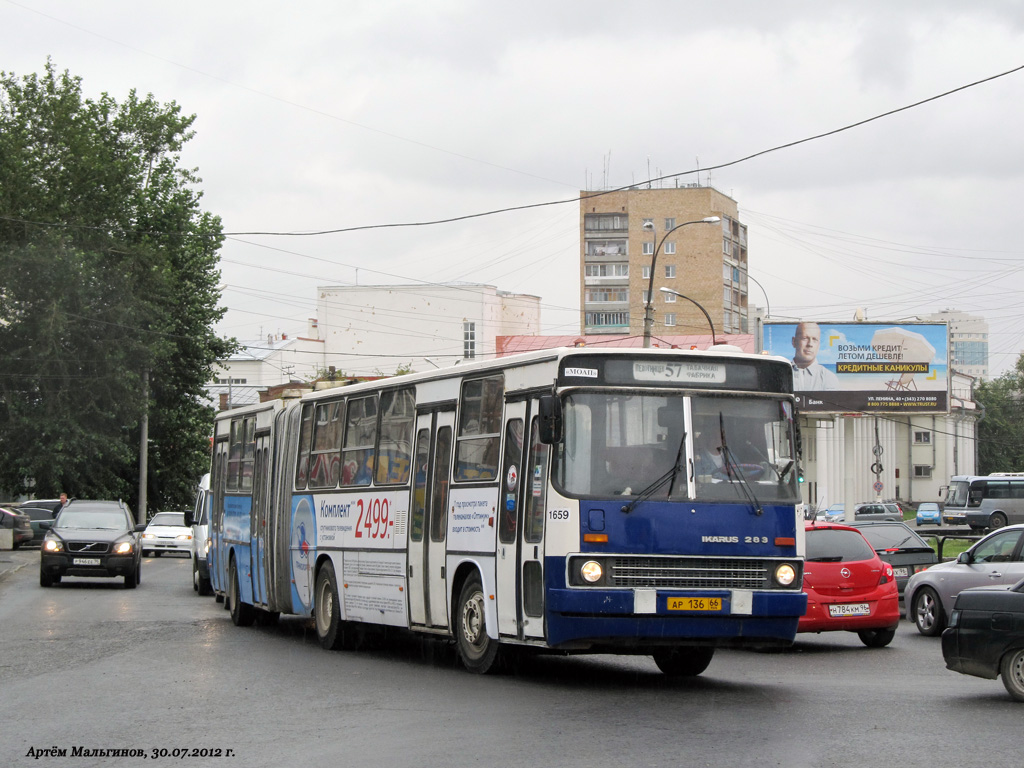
x,y
338,115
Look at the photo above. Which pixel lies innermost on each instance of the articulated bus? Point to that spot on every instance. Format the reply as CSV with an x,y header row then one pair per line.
x,y
572,500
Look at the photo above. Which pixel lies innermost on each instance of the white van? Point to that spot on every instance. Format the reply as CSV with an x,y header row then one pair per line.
x,y
199,519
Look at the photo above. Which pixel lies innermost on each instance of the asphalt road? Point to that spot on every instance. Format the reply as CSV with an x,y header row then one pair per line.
x,y
89,664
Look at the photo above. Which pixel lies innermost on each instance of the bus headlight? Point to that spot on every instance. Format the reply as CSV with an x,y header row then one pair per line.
x,y
591,571
785,574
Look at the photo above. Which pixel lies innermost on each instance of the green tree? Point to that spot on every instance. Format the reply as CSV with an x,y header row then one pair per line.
x,y
108,274
1001,430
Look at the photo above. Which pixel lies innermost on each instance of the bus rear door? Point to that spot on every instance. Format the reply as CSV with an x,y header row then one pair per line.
x,y
428,605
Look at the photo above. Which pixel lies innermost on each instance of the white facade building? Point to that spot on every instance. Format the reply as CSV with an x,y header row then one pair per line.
x,y
916,454
266,363
376,329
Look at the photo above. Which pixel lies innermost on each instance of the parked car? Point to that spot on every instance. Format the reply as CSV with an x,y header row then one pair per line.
x,y
898,545
929,513
54,505
199,519
995,559
874,510
19,524
848,586
167,532
92,538
40,519
985,637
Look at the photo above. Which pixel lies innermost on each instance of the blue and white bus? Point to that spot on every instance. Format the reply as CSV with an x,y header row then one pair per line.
x,y
577,500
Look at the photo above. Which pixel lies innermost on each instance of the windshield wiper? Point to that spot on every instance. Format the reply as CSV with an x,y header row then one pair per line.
x,y
675,467
650,490
733,470
668,477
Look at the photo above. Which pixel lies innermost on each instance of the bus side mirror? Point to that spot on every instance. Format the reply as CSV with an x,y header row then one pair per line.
x,y
550,408
189,518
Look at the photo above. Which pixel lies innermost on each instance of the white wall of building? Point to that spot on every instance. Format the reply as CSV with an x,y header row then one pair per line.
x,y
945,447
375,329
267,363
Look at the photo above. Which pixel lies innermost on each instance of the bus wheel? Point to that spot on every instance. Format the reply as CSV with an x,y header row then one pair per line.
x,y
242,615
479,653
327,607
997,520
683,661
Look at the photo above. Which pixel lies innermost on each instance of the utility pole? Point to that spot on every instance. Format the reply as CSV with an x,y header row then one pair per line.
x,y
143,450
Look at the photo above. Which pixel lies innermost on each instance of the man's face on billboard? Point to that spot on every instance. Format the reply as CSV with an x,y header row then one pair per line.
x,y
806,341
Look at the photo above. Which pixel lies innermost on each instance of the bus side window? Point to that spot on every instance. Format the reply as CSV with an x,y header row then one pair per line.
x,y
419,494
479,429
360,437
536,491
442,471
976,494
305,431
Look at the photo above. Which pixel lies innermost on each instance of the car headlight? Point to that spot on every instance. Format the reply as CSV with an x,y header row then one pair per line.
x,y
53,545
149,535
785,574
591,571
184,537
123,548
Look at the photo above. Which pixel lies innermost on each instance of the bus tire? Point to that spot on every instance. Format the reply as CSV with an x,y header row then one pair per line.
x,y
997,520
478,652
242,615
683,661
327,609
926,610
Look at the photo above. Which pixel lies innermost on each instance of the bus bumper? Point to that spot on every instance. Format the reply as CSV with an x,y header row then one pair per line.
x,y
743,618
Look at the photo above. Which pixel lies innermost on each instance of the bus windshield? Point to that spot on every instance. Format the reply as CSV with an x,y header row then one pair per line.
x,y
661,445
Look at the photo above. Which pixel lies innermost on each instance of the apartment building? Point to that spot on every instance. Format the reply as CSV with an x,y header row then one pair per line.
x,y
968,342
625,234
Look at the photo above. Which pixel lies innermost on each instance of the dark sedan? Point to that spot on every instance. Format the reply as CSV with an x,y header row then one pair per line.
x,y
92,538
41,519
18,524
985,637
898,545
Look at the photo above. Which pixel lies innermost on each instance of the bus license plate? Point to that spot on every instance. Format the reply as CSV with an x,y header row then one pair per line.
x,y
695,603
849,609
85,561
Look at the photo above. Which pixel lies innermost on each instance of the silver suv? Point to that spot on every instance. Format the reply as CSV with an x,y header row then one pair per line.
x,y
199,519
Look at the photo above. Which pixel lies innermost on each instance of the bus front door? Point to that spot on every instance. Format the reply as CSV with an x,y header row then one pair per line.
x,y
428,523
523,507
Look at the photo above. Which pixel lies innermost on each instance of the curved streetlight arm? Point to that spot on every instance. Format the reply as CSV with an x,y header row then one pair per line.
x,y
714,340
767,303
649,306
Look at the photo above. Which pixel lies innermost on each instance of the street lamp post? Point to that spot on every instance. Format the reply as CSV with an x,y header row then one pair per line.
x,y
696,304
649,307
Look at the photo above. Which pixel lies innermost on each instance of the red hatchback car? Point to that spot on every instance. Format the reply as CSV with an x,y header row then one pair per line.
x,y
848,586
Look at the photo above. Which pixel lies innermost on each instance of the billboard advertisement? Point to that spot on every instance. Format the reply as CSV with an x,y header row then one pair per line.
x,y
865,367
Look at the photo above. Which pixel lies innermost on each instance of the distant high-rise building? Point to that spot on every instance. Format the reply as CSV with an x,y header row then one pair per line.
x,y
968,341
619,234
